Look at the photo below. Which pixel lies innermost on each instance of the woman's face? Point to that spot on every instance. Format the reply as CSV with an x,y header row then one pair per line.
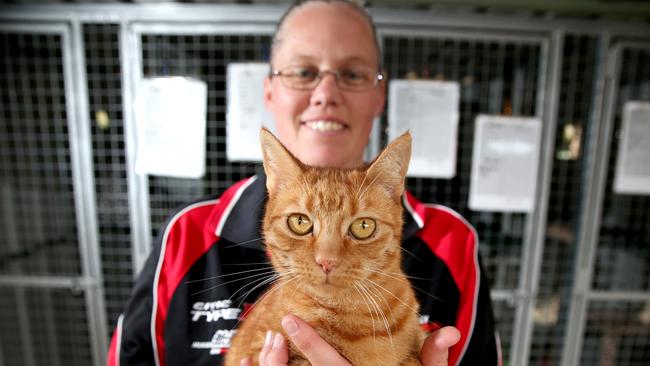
x,y
325,126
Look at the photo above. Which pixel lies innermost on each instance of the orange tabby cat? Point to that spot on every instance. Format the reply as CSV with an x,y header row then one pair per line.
x,y
333,236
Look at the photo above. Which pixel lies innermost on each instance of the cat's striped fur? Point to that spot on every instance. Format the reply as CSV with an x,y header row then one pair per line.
x,y
360,302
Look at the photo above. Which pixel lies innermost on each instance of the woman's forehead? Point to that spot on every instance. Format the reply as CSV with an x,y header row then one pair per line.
x,y
318,31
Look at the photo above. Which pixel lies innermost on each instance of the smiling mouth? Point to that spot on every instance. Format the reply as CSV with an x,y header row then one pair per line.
x,y
324,126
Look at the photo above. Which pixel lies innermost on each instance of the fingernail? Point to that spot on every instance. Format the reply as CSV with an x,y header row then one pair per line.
x,y
267,341
290,326
277,341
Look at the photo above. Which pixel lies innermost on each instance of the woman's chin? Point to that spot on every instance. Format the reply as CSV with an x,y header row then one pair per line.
x,y
330,158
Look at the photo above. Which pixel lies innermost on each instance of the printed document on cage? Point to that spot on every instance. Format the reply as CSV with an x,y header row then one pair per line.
x,y
246,113
171,126
632,175
430,110
505,162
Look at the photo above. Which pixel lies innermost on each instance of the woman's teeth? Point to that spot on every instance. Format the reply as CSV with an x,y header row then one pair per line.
x,y
324,126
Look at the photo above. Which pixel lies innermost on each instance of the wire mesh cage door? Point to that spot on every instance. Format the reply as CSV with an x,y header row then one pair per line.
x,y
168,49
497,75
609,321
48,287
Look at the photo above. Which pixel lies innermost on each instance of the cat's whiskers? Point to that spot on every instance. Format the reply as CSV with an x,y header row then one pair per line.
x,y
405,275
379,295
372,318
255,283
402,280
416,311
388,328
246,264
411,254
227,282
275,277
242,243
374,304
274,289
380,313
264,295
383,273
229,274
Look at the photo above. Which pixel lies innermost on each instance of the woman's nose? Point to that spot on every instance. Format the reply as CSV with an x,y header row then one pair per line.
x,y
327,92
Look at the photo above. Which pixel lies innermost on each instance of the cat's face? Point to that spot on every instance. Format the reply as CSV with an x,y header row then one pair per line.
x,y
333,230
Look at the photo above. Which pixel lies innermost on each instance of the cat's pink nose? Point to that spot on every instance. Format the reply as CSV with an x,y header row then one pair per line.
x,y
327,264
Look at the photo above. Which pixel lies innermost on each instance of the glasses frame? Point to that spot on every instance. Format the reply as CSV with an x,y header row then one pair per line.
x,y
377,79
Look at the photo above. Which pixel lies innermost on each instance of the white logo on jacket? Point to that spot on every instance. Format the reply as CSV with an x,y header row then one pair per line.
x,y
218,344
214,311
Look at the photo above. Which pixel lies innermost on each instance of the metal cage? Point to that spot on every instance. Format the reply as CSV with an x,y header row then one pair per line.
x,y
569,280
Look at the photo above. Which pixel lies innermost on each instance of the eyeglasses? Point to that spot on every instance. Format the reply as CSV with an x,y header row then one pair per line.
x,y
357,78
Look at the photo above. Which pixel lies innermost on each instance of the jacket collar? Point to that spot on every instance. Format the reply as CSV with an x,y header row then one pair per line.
x,y
243,226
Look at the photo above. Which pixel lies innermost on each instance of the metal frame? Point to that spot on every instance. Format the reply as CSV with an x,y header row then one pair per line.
x,y
383,17
138,189
83,190
611,55
132,67
524,296
536,223
135,20
596,171
84,185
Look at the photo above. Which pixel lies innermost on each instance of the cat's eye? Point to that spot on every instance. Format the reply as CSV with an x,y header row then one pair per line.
x,y
362,228
299,224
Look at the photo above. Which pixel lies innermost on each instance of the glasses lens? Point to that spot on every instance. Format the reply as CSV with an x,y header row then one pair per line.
x,y
348,78
300,77
357,78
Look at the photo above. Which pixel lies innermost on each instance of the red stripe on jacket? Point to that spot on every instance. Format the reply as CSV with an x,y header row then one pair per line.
x,y
455,242
185,240
112,350
113,358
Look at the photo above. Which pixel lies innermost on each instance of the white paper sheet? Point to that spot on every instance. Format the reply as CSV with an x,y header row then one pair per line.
x,y
246,113
171,120
429,109
633,161
505,163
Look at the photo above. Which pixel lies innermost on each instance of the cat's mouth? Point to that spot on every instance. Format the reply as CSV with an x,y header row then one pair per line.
x,y
324,125
331,282
327,286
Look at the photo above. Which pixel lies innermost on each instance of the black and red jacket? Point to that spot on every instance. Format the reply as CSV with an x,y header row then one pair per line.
x,y
208,263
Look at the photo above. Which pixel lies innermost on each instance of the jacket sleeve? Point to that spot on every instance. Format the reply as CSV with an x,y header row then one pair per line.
x,y
132,343
460,285
484,346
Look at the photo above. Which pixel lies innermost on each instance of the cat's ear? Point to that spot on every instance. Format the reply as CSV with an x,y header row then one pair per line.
x,y
390,167
279,165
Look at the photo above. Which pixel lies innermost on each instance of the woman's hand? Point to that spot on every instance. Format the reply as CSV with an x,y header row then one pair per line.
x,y
319,353
435,350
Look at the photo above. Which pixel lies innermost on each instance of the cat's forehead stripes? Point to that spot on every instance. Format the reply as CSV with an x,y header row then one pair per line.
x,y
331,190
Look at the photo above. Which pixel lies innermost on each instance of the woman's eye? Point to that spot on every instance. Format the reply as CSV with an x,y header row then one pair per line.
x,y
362,228
351,75
299,224
305,73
